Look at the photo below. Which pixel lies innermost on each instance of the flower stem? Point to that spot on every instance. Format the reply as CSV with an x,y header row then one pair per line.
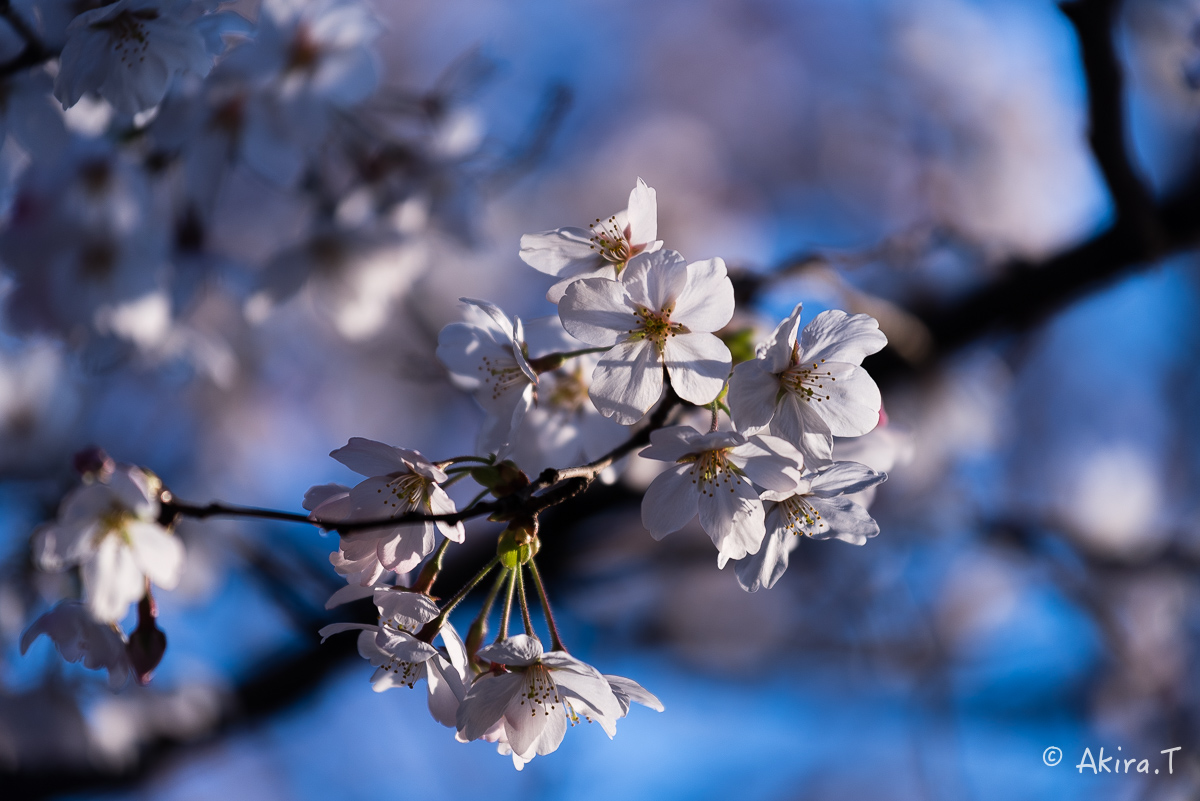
x,y
455,459
429,573
458,476
478,628
555,640
715,420
571,354
508,599
552,361
430,629
524,604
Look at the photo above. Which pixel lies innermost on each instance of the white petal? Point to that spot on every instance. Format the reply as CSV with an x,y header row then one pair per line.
x,y
131,485
499,321
627,381
655,280
852,401
406,547
348,594
732,515
404,647
560,251
839,337
370,458
604,269
771,463
765,568
157,553
111,580
337,628
442,504
643,214
525,719
446,691
845,478
597,311
406,610
796,422
322,494
518,650
627,690
672,444
552,735
847,520
670,501
698,365
485,703
753,391
777,353
592,692
706,304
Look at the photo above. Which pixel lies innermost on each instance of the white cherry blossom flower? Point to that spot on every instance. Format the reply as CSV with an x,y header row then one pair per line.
x,y
128,52
565,428
110,530
80,637
400,659
661,312
399,481
529,706
601,251
717,475
488,358
818,506
812,390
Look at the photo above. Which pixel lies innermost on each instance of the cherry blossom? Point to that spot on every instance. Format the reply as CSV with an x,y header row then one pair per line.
x,y
399,481
601,251
661,312
400,659
80,637
128,52
488,357
110,529
717,475
812,390
537,696
565,428
818,507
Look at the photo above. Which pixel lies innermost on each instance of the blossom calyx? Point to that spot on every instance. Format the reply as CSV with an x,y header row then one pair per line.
x,y
502,479
518,543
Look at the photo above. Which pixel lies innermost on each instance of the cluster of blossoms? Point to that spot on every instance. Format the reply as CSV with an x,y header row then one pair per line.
x,y
636,353
132,127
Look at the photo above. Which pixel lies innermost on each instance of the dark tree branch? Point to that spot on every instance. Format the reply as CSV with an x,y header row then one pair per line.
x,y
1094,21
34,52
1144,229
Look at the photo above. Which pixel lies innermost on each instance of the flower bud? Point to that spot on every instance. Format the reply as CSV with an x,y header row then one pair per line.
x,y
93,464
147,643
518,544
